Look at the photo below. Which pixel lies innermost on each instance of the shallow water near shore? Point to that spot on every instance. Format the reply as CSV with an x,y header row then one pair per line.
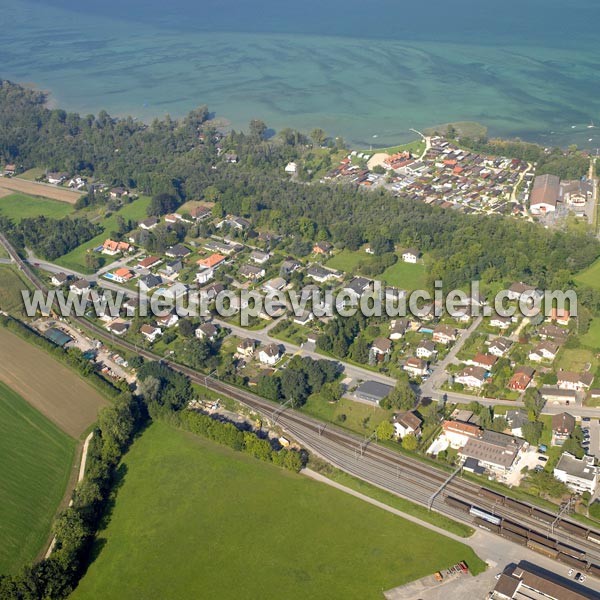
x,y
522,69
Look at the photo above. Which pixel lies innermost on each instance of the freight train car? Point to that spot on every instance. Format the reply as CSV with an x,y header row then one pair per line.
x,y
456,503
573,562
542,549
573,529
514,537
483,524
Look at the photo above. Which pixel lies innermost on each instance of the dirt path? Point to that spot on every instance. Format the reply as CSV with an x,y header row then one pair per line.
x,y
50,387
10,185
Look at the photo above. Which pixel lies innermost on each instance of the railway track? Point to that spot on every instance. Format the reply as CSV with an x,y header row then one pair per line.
x,y
405,476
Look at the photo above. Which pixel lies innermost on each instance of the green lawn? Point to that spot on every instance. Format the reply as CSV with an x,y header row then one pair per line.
x,y
34,471
576,359
11,285
196,520
347,260
20,206
32,174
76,258
416,147
591,339
591,276
405,276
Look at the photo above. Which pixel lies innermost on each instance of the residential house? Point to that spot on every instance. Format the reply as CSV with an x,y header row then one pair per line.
x,y
322,274
552,332
289,266
458,433
563,425
204,276
118,327
150,332
579,474
485,361
149,262
415,367
380,348
291,168
274,285
426,349
517,290
122,275
259,257
322,248
568,380
246,347
10,169
118,192
56,178
471,377
149,223
200,213
234,222
305,317
169,320
207,331
398,328
112,248
131,305
210,292
410,256
270,354
212,262
59,279
252,272
178,251
444,334
407,423
173,268
499,347
150,281
81,287
521,379
516,419
561,316
500,322
546,350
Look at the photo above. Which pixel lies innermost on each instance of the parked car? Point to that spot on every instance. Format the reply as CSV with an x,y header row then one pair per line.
x,y
542,458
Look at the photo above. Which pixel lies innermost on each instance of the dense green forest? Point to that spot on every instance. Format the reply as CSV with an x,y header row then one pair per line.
x,y
186,159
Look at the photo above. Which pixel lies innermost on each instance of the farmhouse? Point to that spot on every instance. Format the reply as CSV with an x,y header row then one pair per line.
x,y
556,395
544,194
568,380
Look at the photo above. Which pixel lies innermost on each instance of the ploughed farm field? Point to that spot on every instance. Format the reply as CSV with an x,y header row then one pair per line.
x,y
34,470
56,391
193,519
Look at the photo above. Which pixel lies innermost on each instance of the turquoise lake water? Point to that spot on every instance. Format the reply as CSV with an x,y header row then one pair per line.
x,y
356,69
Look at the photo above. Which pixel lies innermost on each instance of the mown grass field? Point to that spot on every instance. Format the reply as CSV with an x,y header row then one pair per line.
x,y
34,470
20,206
590,277
50,387
347,260
405,276
591,338
11,285
196,520
76,258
